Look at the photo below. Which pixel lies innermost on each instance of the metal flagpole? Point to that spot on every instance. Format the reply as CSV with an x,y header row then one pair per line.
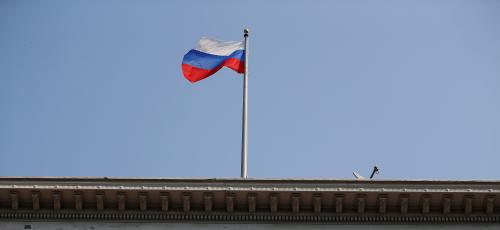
x,y
244,139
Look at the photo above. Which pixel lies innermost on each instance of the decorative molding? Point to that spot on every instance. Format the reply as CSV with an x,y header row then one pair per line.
x,y
164,201
403,203
317,203
382,203
186,202
35,196
229,202
361,203
208,197
446,204
99,201
339,203
77,197
426,203
273,202
14,204
143,201
250,185
260,218
122,201
250,200
468,204
56,200
295,202
490,205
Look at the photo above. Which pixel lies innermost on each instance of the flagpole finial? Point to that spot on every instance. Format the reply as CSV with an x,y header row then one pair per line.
x,y
246,31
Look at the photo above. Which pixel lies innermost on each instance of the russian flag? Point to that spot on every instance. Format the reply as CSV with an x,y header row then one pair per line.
x,y
211,55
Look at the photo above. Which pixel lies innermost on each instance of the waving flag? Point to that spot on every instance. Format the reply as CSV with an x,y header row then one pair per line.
x,y
210,56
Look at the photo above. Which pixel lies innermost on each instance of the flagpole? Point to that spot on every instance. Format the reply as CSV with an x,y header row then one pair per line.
x,y
244,138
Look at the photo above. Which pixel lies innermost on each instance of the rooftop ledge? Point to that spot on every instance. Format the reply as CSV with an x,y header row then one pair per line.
x,y
255,184
250,200
241,180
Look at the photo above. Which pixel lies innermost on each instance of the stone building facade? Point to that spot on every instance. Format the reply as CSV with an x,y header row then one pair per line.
x,y
165,203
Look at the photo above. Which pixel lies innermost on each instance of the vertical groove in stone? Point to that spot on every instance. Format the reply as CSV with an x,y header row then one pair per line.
x,y
382,204
14,204
403,203
164,201
229,199
446,204
426,204
295,203
208,201
99,201
77,197
252,200
468,204
56,200
339,203
143,201
490,205
121,201
273,202
317,201
360,203
35,198
186,202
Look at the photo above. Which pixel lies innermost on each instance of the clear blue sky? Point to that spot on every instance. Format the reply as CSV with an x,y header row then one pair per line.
x,y
94,88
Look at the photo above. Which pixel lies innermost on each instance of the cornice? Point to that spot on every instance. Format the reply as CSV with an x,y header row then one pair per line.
x,y
327,185
249,200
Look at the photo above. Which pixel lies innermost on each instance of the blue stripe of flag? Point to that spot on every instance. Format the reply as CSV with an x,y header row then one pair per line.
x,y
209,61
